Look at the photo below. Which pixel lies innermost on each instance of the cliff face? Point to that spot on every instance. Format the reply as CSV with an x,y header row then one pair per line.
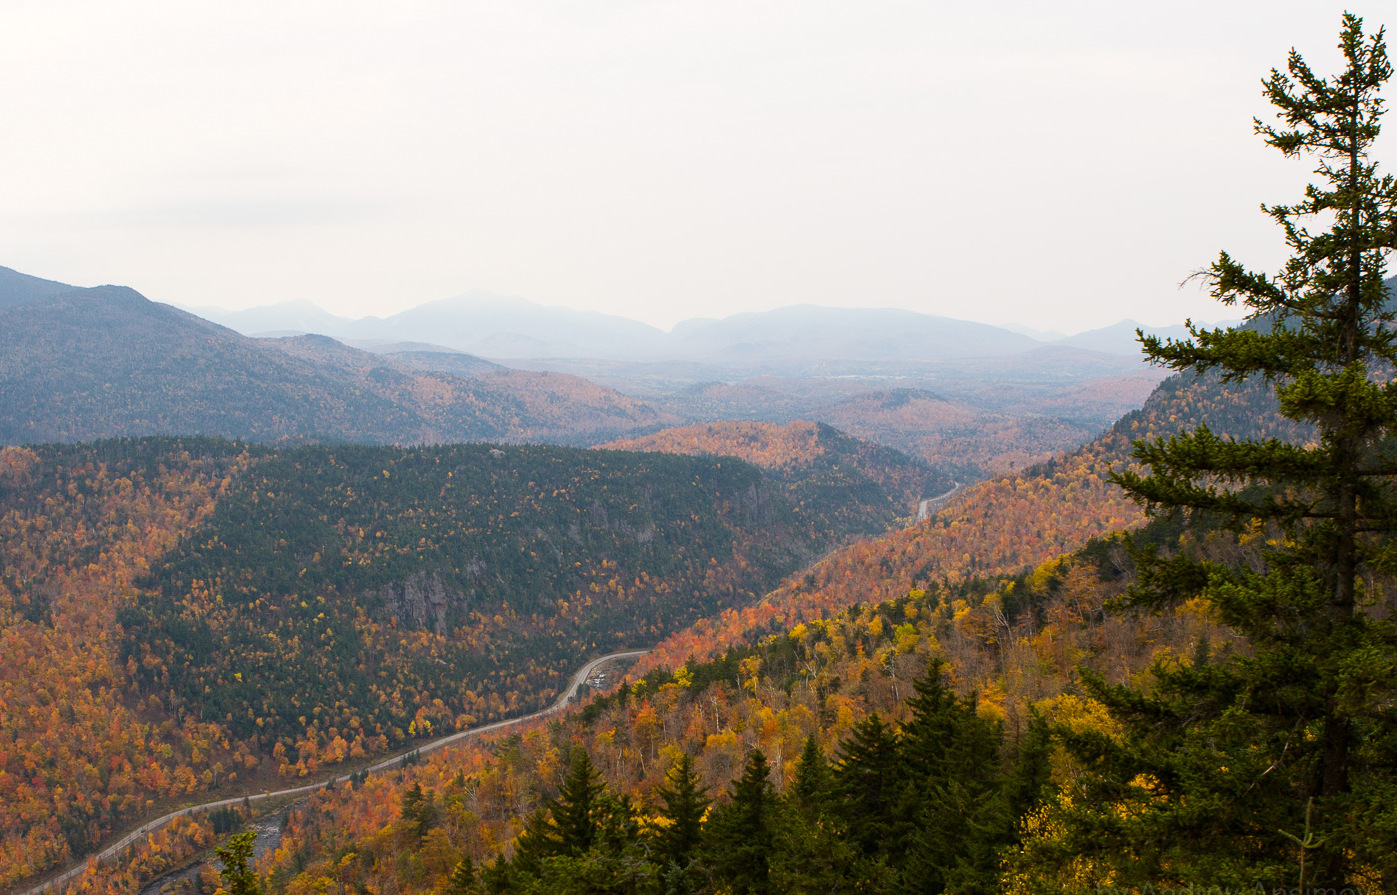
x,y
421,601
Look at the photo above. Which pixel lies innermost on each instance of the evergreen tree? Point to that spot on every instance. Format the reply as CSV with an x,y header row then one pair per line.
x,y
419,810
238,878
1243,771
677,843
538,841
867,781
952,794
811,853
810,790
741,831
462,880
1030,775
574,811
497,877
568,825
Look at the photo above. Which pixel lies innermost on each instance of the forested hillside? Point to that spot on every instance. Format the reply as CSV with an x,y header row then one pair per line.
x,y
881,731
1014,637
999,526
811,458
447,589
984,424
1161,662
84,751
93,363
185,614
364,594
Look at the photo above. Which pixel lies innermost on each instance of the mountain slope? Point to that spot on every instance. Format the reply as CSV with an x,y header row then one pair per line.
x,y
103,362
808,331
999,526
84,752
17,288
359,590
810,457
188,616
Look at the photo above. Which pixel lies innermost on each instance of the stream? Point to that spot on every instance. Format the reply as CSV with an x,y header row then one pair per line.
x,y
186,879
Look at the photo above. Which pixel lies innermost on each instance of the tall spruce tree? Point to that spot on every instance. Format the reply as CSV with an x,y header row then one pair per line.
x,y
952,793
568,825
811,854
810,790
575,811
867,782
677,842
741,833
1274,766
238,878
462,881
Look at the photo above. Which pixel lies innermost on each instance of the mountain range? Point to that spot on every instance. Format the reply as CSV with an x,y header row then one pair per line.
x,y
79,364
280,610
510,328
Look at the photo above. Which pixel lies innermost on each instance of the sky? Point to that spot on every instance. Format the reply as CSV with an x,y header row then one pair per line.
x,y
1059,166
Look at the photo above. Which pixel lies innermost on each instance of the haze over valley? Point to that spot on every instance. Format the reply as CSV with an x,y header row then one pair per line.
x,y
971,398
790,511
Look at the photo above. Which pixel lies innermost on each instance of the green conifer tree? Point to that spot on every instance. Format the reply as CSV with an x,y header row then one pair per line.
x,y
538,841
419,810
574,811
867,780
810,790
238,878
567,826
462,880
952,798
741,831
1223,767
811,854
683,803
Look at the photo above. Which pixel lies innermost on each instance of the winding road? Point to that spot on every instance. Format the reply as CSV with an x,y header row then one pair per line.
x,y
392,761
930,505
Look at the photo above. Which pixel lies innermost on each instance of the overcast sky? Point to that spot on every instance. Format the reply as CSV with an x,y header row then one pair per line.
x,y
1058,165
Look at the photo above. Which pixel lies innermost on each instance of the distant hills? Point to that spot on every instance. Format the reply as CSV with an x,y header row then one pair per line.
x,y
79,364
477,322
971,399
813,460
510,328
17,288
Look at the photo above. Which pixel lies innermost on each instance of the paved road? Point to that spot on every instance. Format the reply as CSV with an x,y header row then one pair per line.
x,y
932,504
393,761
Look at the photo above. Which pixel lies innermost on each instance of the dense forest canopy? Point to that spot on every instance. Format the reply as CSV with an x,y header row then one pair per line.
x,y
1253,753
1203,704
362,595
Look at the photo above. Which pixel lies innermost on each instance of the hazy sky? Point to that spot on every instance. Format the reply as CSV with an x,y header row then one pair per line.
x,y
1061,165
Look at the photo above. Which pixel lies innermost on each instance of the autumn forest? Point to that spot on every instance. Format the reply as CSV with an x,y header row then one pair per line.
x,y
870,652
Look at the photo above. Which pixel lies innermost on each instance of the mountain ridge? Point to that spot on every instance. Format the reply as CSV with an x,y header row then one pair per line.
x,y
103,362
513,328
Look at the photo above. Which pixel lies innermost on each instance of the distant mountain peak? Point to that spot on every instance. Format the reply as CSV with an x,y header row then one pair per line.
x,y
19,288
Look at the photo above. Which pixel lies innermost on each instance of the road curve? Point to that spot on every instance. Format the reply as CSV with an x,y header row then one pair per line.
x,y
392,761
928,505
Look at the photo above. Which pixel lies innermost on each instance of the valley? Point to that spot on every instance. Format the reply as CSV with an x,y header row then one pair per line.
x,y
587,675
211,623
970,399
194,615
225,619
370,587
333,603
